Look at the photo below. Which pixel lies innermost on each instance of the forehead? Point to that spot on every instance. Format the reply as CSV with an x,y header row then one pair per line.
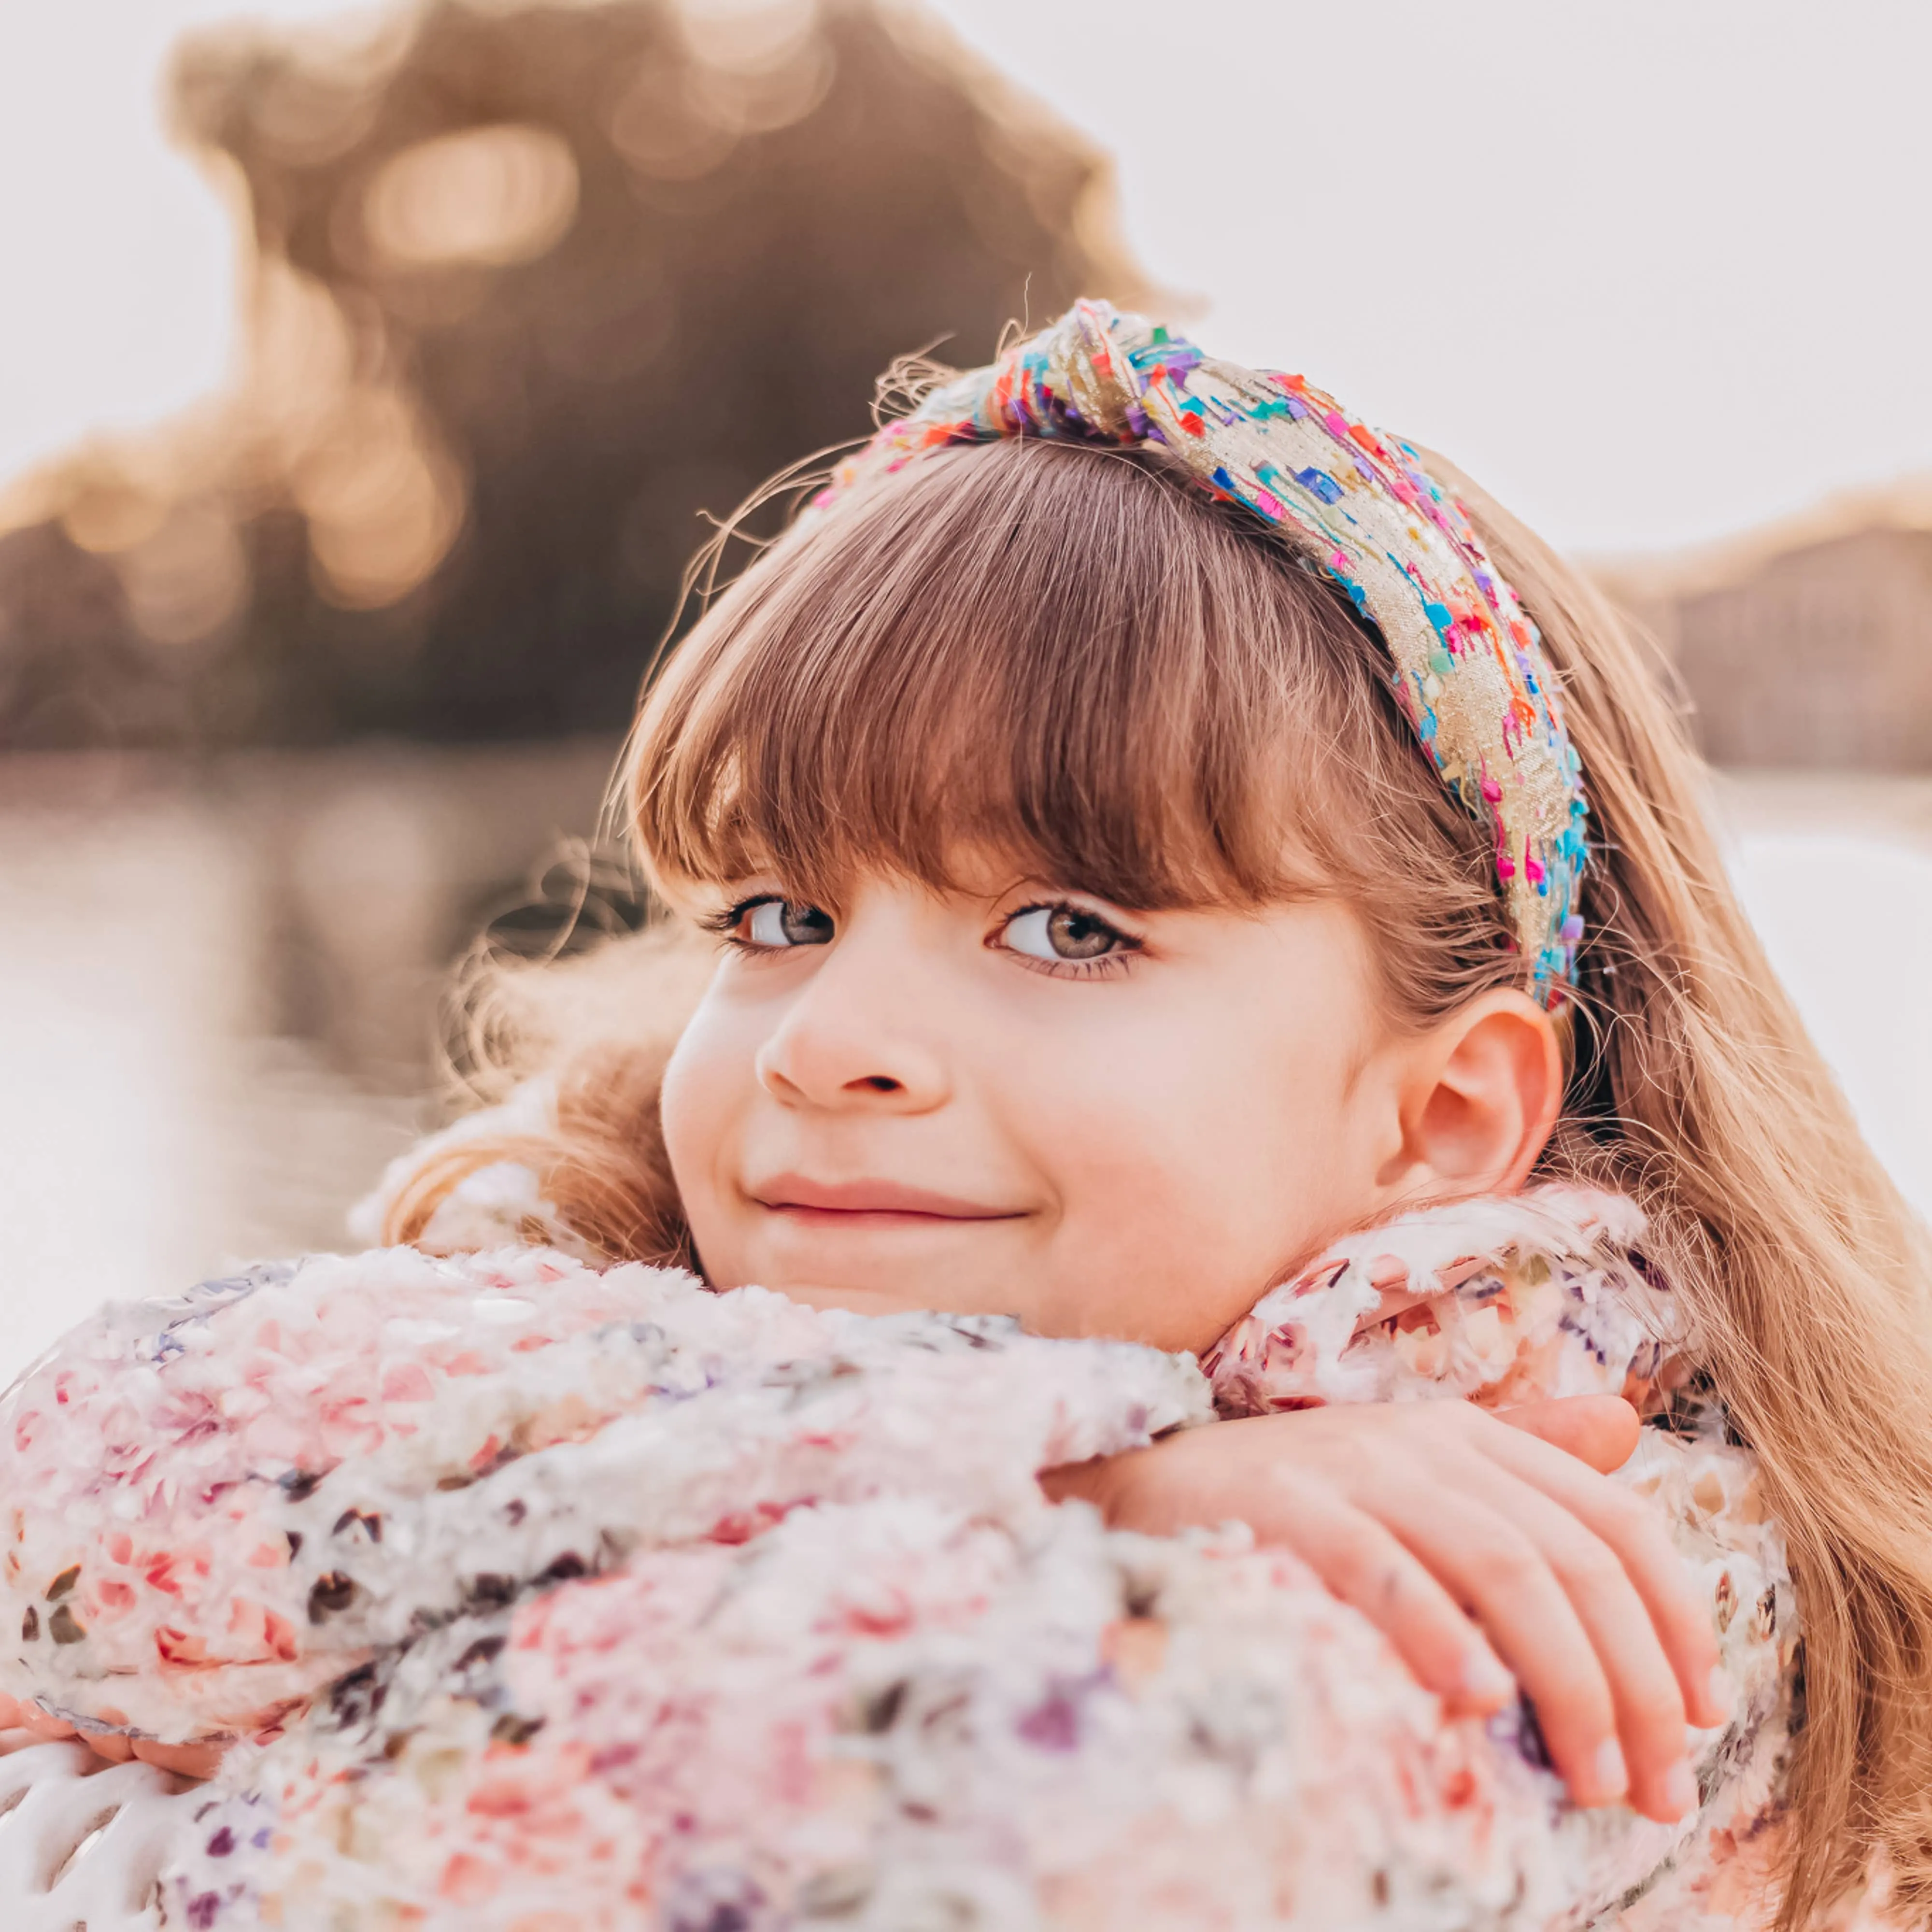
x,y
1045,664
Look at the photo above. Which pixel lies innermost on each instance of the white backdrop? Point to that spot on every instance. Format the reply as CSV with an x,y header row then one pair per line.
x,y
1847,920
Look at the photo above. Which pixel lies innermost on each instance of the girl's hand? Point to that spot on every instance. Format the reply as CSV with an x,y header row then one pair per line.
x,y
1469,1539
188,1760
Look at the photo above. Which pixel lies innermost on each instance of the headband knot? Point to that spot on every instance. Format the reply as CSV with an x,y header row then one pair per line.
x,y
1466,662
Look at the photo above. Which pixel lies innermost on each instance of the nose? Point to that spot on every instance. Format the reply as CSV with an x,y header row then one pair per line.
x,y
853,1041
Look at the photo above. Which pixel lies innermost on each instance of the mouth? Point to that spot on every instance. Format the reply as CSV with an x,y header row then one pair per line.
x,y
859,1204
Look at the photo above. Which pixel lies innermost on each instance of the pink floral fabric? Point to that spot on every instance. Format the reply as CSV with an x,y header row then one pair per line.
x,y
660,1608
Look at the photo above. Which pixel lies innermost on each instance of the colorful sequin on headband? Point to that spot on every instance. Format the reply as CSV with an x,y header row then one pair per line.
x,y
1468,664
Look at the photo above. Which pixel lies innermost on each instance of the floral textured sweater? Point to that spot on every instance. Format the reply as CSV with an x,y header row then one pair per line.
x,y
546,1598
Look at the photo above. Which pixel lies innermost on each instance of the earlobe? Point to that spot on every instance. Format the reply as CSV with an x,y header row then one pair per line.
x,y
1487,1090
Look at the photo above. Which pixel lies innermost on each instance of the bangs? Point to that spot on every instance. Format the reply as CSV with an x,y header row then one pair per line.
x,y
1067,657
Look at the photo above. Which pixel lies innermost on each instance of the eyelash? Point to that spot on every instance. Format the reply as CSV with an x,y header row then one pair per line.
x,y
724,924
1108,966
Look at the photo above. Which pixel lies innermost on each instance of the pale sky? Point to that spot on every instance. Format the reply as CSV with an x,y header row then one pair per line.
x,y
1654,271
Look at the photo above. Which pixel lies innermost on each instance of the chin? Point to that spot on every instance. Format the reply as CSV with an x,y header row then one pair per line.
x,y
881,1273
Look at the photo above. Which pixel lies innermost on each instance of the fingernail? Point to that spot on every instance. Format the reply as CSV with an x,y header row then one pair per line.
x,y
1612,1773
1721,1694
1485,1682
1680,1792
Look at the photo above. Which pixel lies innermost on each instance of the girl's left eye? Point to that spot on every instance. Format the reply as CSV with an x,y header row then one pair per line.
x,y
1065,935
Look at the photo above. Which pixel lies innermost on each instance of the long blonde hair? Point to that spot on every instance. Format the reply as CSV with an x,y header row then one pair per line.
x,y
1071,653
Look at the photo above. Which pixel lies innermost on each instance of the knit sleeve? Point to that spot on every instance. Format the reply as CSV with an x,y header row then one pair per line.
x,y
936,1700
1499,1300
220,1503
556,1595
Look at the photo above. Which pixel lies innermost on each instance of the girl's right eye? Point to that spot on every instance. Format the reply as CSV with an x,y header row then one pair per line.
x,y
775,925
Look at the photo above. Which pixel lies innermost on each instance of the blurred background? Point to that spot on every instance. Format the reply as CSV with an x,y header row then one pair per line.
x,y
367,377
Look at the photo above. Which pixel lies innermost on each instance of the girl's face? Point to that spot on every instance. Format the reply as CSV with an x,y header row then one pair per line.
x,y
1030,1101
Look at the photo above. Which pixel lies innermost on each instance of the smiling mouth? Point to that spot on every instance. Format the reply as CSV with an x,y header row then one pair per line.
x,y
880,1203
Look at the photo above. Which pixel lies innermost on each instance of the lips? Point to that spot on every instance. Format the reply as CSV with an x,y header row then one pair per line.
x,y
796,1194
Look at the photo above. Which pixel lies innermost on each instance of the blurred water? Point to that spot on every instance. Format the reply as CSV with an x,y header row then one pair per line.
x,y
218,986
218,994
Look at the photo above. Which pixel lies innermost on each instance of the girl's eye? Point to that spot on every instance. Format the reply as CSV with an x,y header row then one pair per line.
x,y
773,924
1065,934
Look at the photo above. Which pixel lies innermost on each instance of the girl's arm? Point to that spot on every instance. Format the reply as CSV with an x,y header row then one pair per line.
x,y
1475,1545
910,1716
1395,1511
1363,1396
218,1506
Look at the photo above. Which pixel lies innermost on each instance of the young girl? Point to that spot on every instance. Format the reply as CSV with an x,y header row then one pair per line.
x,y
1184,877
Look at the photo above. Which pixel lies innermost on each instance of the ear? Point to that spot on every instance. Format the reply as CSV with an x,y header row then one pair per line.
x,y
1479,1099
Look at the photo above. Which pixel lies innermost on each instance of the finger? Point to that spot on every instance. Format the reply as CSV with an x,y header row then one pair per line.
x,y
1086,1482
1644,1691
1356,1558
1636,1530
1526,1613
33,1718
1365,1566
115,1748
1601,1430
186,1760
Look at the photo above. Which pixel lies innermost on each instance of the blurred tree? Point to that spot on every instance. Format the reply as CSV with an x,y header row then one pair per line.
x,y
532,286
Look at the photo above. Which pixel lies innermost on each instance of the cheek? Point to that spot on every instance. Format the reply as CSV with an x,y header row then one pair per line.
x,y
1291,1119
1223,1148
707,1083
1252,1153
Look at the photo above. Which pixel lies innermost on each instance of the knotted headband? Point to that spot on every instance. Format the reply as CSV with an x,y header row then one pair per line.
x,y
1468,665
